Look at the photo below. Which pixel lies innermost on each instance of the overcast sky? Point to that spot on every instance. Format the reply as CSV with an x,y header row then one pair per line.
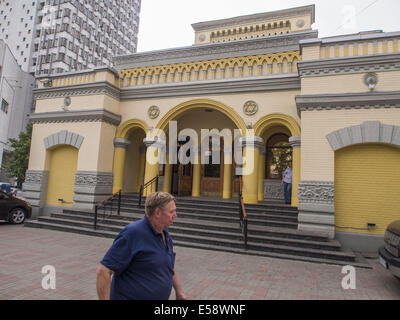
x,y
167,23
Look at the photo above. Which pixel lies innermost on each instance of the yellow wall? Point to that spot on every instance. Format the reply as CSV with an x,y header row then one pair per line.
x,y
63,163
79,103
367,187
96,152
349,83
316,153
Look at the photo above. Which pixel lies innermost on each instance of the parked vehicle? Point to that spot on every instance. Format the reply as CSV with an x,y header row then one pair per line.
x,y
13,209
389,254
5,186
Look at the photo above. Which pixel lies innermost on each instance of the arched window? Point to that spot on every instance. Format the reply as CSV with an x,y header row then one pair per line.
x,y
278,156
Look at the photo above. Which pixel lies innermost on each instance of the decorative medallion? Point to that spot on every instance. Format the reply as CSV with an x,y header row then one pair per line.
x,y
371,80
153,112
202,38
250,108
300,23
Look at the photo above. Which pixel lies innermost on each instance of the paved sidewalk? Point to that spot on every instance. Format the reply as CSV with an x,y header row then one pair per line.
x,y
203,274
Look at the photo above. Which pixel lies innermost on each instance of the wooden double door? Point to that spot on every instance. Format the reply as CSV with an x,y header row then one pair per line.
x,y
211,179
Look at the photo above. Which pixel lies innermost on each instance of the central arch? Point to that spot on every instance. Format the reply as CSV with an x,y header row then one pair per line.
x,y
194,177
204,103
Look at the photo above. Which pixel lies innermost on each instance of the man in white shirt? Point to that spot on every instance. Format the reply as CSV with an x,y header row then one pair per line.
x,y
287,184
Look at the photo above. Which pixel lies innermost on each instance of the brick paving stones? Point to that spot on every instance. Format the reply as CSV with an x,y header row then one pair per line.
x,y
204,275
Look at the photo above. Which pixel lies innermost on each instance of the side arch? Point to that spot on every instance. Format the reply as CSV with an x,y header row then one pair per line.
x,y
124,129
274,119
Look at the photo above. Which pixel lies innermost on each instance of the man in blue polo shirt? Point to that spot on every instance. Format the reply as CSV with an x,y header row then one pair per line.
x,y
140,265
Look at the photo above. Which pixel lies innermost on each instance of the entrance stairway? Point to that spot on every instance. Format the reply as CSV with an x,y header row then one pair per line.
x,y
213,224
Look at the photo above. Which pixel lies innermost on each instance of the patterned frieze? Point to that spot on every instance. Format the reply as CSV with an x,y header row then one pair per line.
x,y
349,65
365,100
316,192
85,89
271,44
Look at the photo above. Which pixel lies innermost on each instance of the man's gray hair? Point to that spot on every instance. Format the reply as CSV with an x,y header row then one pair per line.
x,y
157,200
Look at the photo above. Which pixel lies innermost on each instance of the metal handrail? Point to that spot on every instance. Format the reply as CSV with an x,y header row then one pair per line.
x,y
107,201
243,220
144,186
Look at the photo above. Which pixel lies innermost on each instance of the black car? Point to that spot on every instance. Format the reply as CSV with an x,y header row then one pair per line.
x,y
389,254
13,209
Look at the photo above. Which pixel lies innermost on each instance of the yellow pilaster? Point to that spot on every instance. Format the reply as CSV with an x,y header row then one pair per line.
x,y
120,146
296,160
251,154
196,177
227,186
167,176
142,162
261,174
153,154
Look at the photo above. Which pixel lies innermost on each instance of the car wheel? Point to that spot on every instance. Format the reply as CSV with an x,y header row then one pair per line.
x,y
17,216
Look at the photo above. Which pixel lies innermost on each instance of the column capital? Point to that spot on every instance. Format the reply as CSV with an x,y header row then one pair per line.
x,y
252,142
154,142
121,143
295,142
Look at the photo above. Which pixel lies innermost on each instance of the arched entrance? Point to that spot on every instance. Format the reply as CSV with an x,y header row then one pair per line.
x,y
277,132
129,156
208,175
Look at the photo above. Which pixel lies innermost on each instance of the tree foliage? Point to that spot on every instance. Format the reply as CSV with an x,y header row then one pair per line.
x,y
280,158
17,161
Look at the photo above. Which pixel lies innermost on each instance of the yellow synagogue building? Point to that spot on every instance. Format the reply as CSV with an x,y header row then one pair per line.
x,y
329,105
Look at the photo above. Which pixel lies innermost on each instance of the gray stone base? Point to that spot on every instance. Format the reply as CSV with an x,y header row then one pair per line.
x,y
34,190
364,243
317,218
316,207
91,187
273,189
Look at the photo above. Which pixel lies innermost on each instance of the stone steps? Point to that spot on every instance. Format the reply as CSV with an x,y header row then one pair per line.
x,y
215,225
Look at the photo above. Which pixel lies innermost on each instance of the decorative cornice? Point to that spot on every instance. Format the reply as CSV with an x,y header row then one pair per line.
x,y
121,143
212,87
348,65
85,89
361,36
253,18
97,115
365,100
368,132
237,48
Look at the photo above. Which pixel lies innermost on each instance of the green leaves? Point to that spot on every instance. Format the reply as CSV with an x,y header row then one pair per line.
x,y
17,161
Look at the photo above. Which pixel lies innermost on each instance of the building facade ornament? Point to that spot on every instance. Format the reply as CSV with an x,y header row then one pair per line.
x,y
250,108
153,112
367,132
63,137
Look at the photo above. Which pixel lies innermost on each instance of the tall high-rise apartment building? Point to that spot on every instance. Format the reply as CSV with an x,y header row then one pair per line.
x,y
56,36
